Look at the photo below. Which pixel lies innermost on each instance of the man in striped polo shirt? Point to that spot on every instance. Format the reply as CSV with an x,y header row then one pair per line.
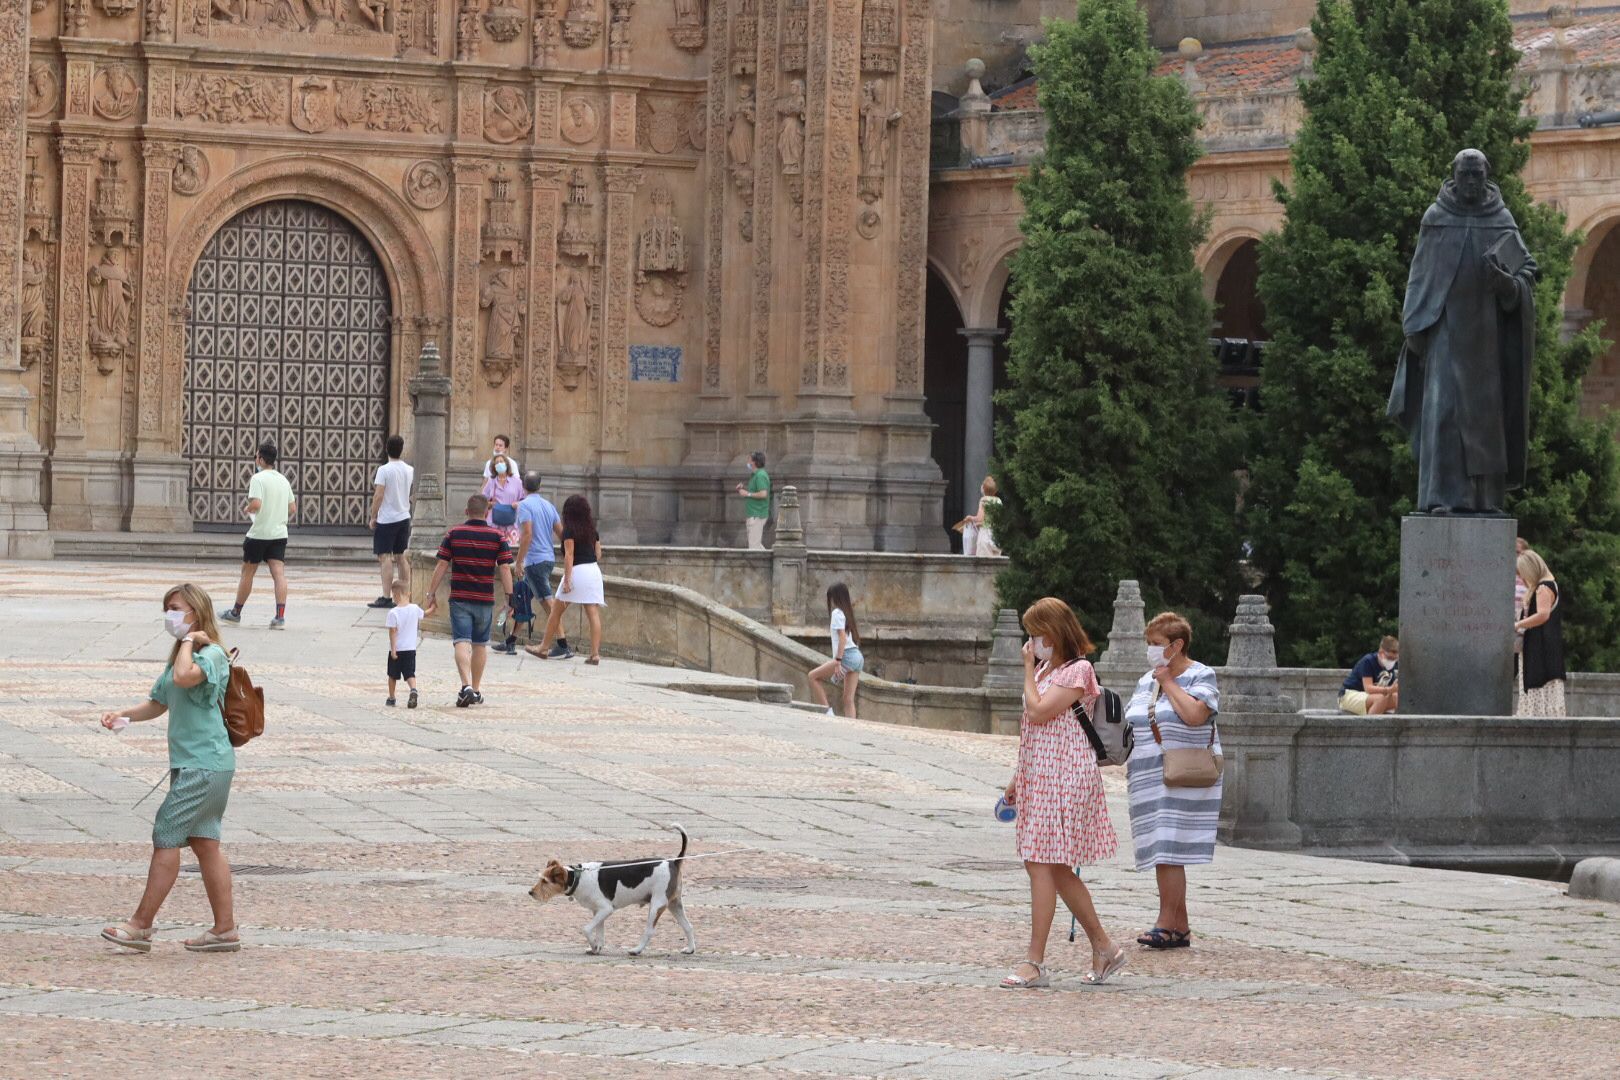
x,y
471,554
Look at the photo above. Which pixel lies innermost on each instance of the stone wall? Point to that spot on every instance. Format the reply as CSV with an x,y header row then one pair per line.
x,y
1529,796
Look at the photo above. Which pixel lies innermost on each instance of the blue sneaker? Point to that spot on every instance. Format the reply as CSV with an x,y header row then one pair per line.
x,y
230,615
560,651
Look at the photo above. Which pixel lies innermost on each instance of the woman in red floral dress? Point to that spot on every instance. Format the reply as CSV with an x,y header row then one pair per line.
x,y
1058,791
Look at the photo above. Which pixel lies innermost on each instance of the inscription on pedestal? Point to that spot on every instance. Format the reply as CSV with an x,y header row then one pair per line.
x,y
1457,615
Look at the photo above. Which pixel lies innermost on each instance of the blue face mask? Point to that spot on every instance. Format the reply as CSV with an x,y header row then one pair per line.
x,y
500,468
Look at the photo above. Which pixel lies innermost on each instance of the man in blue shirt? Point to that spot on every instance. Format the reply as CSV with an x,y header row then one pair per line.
x,y
539,527
1373,686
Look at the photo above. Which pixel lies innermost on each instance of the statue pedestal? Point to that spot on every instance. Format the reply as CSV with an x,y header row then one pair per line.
x,y
1457,615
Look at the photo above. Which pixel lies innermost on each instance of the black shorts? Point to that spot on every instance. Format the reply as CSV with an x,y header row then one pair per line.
x,y
392,538
402,666
258,551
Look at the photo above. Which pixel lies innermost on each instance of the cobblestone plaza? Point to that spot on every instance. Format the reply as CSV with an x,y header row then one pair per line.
x,y
383,859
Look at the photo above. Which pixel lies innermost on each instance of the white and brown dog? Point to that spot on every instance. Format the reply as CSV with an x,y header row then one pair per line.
x,y
605,887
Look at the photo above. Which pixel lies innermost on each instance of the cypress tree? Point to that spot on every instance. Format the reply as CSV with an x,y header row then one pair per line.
x,y
1400,86
1117,460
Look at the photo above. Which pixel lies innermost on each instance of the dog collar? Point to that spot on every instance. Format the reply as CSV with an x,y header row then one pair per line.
x,y
573,881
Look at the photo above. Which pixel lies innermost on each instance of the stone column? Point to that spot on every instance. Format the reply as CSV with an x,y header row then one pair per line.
x,y
615,480
789,561
158,499
78,155
22,464
1258,726
430,398
981,388
1125,660
545,186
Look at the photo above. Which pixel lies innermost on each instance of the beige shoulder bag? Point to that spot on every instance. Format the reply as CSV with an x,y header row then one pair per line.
x,y
1194,766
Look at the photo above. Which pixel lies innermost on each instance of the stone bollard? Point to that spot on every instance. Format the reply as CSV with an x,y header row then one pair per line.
x,y
1125,659
1006,669
430,406
1251,681
789,561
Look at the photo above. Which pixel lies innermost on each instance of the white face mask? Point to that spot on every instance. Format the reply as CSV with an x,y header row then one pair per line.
x,y
175,623
1156,657
1386,663
1043,650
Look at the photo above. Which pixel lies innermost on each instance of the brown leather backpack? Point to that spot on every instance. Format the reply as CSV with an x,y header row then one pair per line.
x,y
243,705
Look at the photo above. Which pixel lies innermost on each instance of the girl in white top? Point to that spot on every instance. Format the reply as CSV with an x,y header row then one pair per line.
x,y
847,663
983,540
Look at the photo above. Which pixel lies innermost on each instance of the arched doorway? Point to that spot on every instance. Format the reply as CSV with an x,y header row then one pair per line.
x,y
1601,387
1239,337
288,341
945,394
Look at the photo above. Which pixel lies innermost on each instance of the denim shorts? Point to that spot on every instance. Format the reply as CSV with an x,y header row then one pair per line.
x,y
853,660
469,621
538,575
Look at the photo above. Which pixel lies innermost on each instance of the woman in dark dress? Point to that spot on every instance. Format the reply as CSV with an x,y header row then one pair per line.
x,y
1541,664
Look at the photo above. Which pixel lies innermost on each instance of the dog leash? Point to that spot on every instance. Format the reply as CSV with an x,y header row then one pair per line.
x,y
151,789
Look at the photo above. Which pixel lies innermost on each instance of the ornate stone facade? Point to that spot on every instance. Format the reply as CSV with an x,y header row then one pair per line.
x,y
544,185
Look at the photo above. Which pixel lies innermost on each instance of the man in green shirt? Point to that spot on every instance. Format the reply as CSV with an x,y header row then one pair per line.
x,y
756,500
270,503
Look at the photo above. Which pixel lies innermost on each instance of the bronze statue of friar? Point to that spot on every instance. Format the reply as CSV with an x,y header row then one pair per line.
x,y
1462,386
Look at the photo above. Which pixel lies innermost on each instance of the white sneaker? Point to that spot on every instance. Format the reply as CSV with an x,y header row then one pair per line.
x,y
831,713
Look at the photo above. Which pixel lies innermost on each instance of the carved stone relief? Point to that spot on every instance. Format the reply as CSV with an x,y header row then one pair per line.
x,y
501,239
36,305
507,116
744,28
75,17
543,209
160,20
387,106
427,185
503,21
469,31
231,99
191,171
661,128
582,24
690,31
116,9
795,34
573,324
43,88
697,122
116,92
619,34
580,121
660,262
621,182
880,35
416,27
314,104
578,237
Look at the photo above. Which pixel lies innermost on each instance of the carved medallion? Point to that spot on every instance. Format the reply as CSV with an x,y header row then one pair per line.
x,y
42,89
116,93
503,21
867,222
580,120
507,116
314,104
426,185
191,171
658,299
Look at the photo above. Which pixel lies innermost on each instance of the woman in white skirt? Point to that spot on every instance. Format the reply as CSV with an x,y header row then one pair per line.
x,y
582,576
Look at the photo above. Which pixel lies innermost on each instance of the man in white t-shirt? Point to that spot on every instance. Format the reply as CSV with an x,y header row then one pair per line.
x,y
270,503
503,446
391,522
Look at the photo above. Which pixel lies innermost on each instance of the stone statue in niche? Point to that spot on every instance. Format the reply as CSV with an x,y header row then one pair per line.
x,y
876,120
116,9
36,325
582,24
660,262
690,30
790,133
740,135
503,326
112,297
373,12
543,51
469,32
160,20
573,327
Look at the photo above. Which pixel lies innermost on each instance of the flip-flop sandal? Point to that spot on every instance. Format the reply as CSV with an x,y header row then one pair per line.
x,y
1110,969
212,942
129,937
1169,939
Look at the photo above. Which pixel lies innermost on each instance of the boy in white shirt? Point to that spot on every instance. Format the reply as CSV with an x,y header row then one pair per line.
x,y
404,634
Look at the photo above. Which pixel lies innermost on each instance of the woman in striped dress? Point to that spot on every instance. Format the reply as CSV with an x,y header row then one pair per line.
x,y
1173,828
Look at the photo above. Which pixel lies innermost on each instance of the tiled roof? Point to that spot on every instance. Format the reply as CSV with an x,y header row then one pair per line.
x,y
1275,65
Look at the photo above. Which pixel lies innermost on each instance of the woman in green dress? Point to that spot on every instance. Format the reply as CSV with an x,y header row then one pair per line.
x,y
201,763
